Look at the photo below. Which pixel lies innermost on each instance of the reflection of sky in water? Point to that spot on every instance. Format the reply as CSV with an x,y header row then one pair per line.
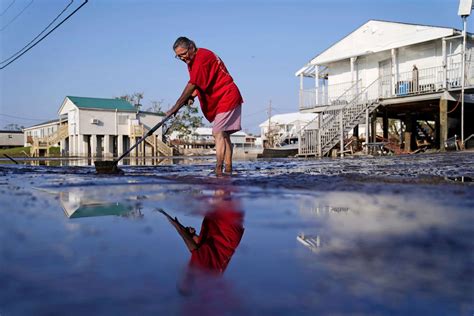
x,y
382,247
385,247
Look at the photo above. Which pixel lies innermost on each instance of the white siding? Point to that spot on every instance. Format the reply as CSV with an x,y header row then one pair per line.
x,y
66,107
101,122
8,139
150,120
40,131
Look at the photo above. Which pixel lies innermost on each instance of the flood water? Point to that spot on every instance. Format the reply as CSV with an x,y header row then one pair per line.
x,y
353,236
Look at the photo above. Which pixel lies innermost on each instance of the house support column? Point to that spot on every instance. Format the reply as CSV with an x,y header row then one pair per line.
x,y
62,147
443,123
83,146
69,150
119,145
385,125
320,149
316,83
301,90
410,133
93,145
373,127
341,127
445,63
366,130
394,53
72,147
354,74
107,146
355,131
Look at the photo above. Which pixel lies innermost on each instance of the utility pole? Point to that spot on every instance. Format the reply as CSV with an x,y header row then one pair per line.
x,y
269,133
465,8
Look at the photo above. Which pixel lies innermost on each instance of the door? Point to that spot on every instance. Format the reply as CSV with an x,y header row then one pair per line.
x,y
385,77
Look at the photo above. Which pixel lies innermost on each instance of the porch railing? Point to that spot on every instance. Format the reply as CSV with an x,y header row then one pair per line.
x,y
338,122
419,81
309,136
328,95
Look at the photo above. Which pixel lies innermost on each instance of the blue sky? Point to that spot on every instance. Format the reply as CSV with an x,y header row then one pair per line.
x,y
114,47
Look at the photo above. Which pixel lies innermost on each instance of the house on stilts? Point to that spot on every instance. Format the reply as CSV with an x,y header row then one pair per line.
x,y
97,127
388,74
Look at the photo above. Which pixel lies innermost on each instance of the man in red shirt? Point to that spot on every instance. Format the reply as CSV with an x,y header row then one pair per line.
x,y
221,232
218,95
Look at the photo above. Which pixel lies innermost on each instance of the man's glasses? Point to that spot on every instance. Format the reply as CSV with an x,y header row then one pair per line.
x,y
182,55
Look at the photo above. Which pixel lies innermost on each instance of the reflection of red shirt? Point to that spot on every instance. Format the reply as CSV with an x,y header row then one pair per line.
x,y
221,232
216,89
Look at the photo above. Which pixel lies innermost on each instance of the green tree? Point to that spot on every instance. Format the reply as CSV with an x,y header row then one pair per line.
x,y
13,127
156,107
134,98
184,122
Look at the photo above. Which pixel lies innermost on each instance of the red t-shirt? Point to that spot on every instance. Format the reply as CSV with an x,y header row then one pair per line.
x,y
221,232
216,89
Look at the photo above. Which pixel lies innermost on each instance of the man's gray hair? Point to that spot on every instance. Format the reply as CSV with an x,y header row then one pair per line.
x,y
183,42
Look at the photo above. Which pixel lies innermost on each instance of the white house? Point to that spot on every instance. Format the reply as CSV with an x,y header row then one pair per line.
x,y
201,141
40,130
202,136
95,127
285,128
11,138
389,70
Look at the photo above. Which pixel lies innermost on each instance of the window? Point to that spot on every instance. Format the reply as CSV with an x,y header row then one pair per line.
x,y
122,119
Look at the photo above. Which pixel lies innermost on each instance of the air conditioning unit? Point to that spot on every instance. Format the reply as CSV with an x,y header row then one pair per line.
x,y
95,121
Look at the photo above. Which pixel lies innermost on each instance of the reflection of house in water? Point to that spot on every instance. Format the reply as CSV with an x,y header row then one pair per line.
x,y
313,242
307,209
75,205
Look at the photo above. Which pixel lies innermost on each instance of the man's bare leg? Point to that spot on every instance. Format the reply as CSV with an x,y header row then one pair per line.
x,y
219,138
228,153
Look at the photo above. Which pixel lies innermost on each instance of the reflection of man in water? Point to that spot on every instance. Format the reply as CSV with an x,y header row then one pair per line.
x,y
221,232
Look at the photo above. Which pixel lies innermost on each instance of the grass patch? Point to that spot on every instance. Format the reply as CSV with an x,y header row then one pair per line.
x,y
20,152
15,152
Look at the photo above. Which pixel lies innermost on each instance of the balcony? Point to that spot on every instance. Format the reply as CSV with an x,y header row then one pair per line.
x,y
335,94
409,83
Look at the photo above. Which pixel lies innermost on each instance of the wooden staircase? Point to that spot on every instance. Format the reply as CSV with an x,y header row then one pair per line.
x,y
43,144
159,148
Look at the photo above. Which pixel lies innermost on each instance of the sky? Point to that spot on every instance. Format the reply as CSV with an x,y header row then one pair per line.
x,y
114,47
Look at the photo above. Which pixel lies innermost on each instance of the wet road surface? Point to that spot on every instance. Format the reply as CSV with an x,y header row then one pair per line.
x,y
386,235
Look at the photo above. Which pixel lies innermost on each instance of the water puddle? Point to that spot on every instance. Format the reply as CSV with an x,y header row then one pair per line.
x,y
322,237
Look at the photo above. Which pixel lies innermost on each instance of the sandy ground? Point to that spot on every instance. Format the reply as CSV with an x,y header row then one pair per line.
x,y
378,236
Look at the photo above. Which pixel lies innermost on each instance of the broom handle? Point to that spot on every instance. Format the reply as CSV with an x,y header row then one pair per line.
x,y
143,138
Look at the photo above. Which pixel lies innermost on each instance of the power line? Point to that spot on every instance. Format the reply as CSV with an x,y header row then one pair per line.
x,y
64,20
21,12
7,8
22,118
4,61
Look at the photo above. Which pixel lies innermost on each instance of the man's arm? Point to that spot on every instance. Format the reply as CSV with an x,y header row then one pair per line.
x,y
188,238
187,233
187,94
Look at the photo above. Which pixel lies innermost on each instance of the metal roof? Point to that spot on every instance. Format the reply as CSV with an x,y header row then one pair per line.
x,y
100,103
290,118
50,122
376,36
6,131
